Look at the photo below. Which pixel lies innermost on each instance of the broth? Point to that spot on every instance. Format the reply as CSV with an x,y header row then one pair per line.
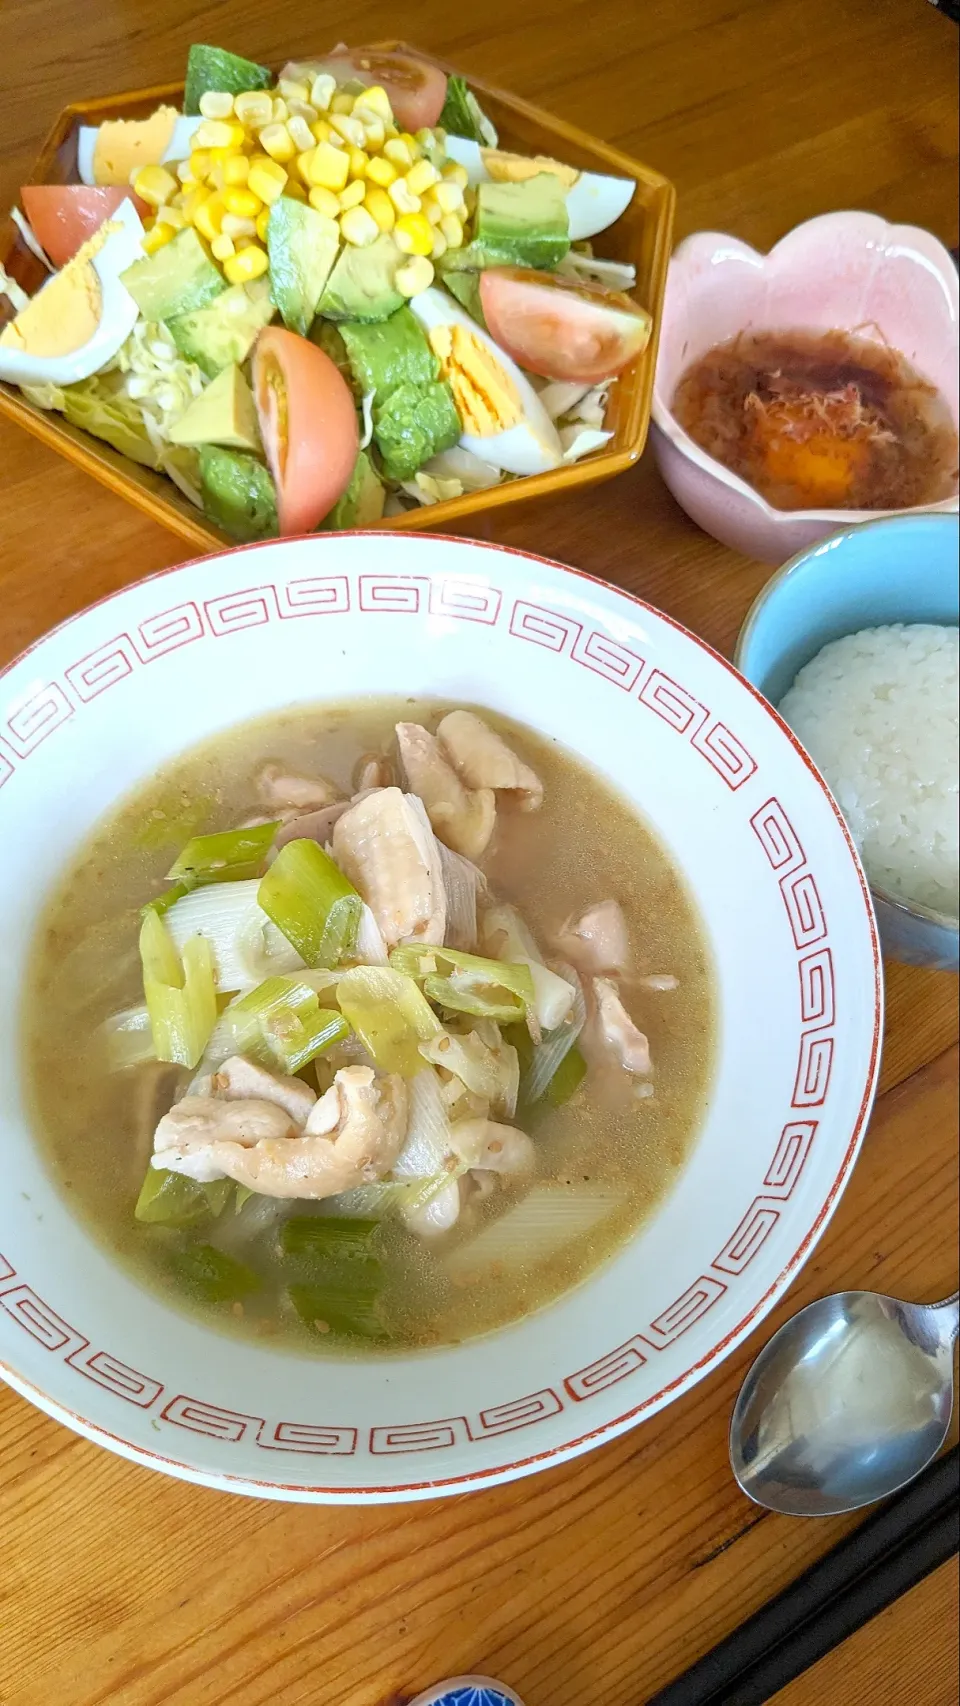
x,y
821,420
584,845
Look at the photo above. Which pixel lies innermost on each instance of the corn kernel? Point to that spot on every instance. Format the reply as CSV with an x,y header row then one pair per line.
x,y
426,140
415,275
422,177
433,210
341,102
328,166
254,109
296,192
439,244
281,112
276,141
412,144
358,227
325,202
243,202
222,247
322,90
209,217
349,128
220,156
301,166
155,238
378,203
155,185
374,134
293,89
448,197
381,171
403,199
181,195
412,234
215,176
249,264
456,174
216,103
266,178
395,149
321,131
196,167
452,229
299,133
353,195
262,221
378,101
218,133
303,109
195,199
236,170
234,225
174,216
357,161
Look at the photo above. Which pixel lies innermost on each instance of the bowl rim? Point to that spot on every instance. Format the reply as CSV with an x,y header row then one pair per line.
x,y
603,1433
666,421
770,588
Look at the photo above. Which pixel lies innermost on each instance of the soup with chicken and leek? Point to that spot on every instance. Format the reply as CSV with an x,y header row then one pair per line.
x,y
378,1025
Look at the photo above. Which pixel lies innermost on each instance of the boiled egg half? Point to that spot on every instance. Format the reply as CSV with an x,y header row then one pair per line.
x,y
503,419
77,321
594,201
109,153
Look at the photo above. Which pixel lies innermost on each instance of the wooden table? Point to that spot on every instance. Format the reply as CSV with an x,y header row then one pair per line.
x,y
595,1583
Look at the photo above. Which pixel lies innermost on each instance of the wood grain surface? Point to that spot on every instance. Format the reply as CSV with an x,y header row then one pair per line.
x,y
595,1583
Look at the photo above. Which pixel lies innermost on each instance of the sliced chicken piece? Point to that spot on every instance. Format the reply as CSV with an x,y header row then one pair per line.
x,y
279,787
435,1217
310,826
596,943
371,771
352,1137
618,1031
463,819
385,846
483,760
240,1079
493,1148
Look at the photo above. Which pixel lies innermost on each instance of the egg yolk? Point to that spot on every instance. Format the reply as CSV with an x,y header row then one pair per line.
x,y
486,398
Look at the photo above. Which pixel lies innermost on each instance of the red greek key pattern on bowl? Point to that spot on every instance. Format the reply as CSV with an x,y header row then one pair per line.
x,y
6,768
170,630
753,1231
419,1436
210,1420
235,611
308,1437
518,1413
610,659
467,601
817,998
316,595
392,595
790,1157
691,1306
729,757
801,897
39,1320
813,1070
672,703
7,1270
607,1370
541,627
777,837
116,1377
103,668
35,718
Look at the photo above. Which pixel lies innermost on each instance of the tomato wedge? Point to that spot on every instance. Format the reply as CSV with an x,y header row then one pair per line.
x,y
416,88
308,424
63,216
561,328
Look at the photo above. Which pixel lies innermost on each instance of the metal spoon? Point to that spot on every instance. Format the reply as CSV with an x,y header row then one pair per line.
x,y
847,1403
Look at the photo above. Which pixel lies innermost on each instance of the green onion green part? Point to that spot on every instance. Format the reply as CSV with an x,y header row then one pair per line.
x,y
170,1199
180,992
310,901
211,1275
234,855
390,1016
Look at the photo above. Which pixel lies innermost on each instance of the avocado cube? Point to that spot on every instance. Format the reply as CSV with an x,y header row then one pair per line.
x,y
388,353
178,279
362,285
238,493
302,245
415,423
525,223
226,330
223,413
362,502
215,68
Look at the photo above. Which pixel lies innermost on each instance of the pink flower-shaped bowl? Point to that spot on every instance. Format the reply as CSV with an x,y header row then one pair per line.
x,y
840,272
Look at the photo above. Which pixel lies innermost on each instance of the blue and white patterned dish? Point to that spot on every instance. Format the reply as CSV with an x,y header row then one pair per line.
x,y
468,1691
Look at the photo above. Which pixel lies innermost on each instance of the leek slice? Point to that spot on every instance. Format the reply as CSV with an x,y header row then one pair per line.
x,y
128,1038
568,1077
310,900
321,1239
171,1199
325,1310
242,1027
298,1038
211,1275
534,1229
343,1278
390,1016
180,992
466,983
161,903
231,855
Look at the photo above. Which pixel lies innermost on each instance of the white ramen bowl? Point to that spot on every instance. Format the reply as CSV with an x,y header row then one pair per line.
x,y
104,700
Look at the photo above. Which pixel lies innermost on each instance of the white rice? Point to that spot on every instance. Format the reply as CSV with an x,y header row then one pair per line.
x,y
877,712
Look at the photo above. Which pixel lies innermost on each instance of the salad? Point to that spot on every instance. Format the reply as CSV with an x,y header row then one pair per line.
x,y
314,300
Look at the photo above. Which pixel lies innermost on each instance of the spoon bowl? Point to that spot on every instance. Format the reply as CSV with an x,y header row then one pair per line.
x,y
846,1404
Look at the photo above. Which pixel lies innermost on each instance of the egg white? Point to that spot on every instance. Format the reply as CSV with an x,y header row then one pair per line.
x,y
530,447
593,202
179,147
117,319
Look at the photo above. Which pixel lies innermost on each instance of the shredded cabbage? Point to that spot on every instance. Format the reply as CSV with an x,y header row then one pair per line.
x,y
156,376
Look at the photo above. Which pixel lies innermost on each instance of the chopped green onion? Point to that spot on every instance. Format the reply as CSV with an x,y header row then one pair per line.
x,y
243,1026
568,1077
310,901
466,983
321,1238
180,992
449,993
244,1193
328,1311
231,855
171,1199
162,903
211,1275
296,1039
390,1016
